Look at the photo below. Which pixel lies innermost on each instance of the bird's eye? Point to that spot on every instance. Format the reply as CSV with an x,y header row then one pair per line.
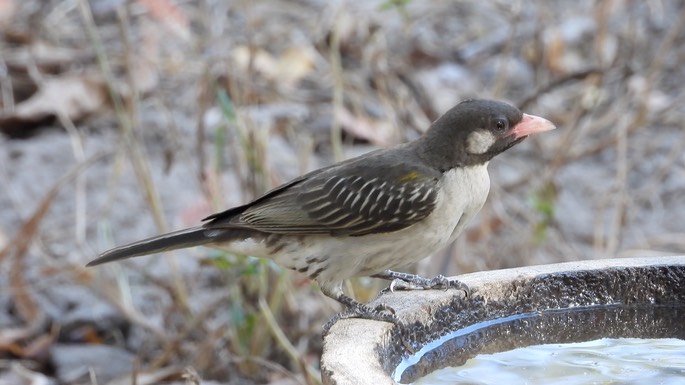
x,y
501,125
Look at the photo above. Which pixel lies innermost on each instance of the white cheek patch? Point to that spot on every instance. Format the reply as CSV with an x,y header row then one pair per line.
x,y
479,142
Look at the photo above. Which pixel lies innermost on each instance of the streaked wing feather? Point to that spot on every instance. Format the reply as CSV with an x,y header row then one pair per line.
x,y
345,205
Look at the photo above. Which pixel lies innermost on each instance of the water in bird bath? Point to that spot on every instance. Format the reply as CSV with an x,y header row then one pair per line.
x,y
599,344
603,361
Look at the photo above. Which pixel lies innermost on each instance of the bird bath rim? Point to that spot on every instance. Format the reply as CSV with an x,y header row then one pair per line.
x,y
358,351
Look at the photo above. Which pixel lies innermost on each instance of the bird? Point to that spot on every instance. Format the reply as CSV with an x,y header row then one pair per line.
x,y
369,215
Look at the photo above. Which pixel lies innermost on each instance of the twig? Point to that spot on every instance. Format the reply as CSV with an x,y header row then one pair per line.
x,y
79,155
27,307
560,82
140,166
277,332
338,88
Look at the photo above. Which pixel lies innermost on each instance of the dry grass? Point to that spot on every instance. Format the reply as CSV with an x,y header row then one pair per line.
x,y
212,103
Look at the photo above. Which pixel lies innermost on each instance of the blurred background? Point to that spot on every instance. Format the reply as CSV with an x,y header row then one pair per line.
x,y
123,119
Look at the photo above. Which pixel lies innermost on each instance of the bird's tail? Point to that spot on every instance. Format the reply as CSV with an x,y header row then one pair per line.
x,y
193,236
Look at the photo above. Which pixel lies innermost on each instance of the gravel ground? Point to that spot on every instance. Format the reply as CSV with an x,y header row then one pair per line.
x,y
228,98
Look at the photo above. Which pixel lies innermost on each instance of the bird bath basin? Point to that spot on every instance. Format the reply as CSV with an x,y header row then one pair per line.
x,y
540,314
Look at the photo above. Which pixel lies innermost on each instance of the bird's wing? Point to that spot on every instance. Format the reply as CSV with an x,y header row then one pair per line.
x,y
344,202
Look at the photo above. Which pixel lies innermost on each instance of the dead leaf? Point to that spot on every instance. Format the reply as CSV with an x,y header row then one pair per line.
x,y
378,132
4,243
37,347
290,67
256,59
41,54
7,10
170,15
144,67
555,52
159,375
73,96
295,63
191,376
9,336
29,376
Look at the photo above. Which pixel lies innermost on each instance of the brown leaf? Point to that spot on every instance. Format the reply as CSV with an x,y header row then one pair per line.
x,y
292,65
39,346
148,378
378,132
73,96
10,336
29,376
295,63
7,10
555,52
4,243
257,59
170,15
41,54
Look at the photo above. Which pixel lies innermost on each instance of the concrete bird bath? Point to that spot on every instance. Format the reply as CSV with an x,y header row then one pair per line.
x,y
566,302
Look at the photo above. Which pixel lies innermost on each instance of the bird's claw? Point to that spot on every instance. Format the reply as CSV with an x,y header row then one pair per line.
x,y
444,283
415,282
381,312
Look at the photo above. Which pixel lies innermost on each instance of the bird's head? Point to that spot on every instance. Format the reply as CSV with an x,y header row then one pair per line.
x,y
475,131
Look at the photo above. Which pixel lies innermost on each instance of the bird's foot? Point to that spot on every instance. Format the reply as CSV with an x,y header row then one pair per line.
x,y
354,309
406,281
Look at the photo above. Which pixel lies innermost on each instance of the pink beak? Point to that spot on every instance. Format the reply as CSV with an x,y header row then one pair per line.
x,y
531,124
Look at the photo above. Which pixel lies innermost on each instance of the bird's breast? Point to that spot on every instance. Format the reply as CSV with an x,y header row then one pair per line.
x,y
463,192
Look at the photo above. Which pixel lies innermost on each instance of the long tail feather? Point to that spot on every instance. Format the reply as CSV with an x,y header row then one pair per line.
x,y
193,236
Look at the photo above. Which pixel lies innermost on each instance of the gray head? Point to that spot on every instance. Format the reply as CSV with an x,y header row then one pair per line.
x,y
475,131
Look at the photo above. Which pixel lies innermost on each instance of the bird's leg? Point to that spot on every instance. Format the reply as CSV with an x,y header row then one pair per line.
x,y
354,309
406,281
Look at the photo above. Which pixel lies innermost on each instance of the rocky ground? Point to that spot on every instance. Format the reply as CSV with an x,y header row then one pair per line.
x,y
120,120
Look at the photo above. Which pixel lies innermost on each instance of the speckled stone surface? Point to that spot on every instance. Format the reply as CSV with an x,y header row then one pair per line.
x,y
367,352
